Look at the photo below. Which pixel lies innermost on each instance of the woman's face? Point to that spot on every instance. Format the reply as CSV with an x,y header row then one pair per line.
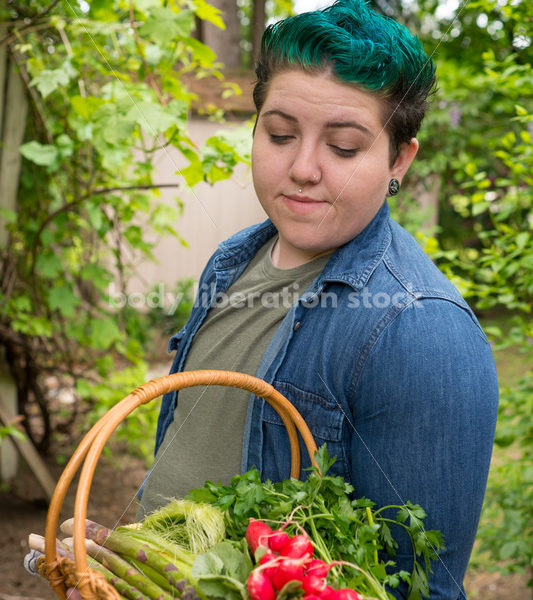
x,y
326,139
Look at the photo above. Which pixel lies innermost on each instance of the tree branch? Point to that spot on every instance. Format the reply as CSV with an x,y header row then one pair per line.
x,y
35,97
70,205
149,74
9,38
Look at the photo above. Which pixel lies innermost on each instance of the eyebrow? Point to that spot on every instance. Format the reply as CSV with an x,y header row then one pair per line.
x,y
331,125
280,113
352,124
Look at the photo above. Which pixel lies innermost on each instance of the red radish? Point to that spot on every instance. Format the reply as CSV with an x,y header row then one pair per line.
x,y
289,569
267,558
257,534
344,594
314,585
326,594
317,567
260,586
309,597
278,540
298,546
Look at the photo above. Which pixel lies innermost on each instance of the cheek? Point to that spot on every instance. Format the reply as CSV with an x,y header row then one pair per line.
x,y
265,164
257,165
370,176
261,173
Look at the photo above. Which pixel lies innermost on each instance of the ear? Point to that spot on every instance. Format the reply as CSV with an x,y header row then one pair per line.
x,y
404,160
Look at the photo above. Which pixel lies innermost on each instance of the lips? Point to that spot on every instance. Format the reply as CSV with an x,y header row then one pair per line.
x,y
302,204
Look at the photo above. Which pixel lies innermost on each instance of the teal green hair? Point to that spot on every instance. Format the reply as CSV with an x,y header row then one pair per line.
x,y
362,47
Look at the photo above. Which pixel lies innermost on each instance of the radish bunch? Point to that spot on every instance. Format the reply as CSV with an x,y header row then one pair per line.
x,y
285,559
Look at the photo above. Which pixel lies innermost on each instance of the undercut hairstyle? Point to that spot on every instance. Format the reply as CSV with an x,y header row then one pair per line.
x,y
361,47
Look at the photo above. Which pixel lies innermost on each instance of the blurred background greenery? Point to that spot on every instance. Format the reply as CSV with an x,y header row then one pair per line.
x,y
77,171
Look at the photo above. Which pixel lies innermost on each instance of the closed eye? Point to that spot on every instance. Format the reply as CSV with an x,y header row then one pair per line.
x,y
344,152
280,139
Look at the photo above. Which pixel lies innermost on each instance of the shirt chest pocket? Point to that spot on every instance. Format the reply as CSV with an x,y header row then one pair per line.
x,y
324,418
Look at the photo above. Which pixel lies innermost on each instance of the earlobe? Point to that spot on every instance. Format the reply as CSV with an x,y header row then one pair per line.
x,y
405,158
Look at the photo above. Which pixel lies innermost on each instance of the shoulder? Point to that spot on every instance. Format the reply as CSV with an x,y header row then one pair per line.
x,y
432,359
433,340
407,262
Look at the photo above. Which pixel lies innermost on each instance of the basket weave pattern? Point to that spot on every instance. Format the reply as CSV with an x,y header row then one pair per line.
x,y
63,573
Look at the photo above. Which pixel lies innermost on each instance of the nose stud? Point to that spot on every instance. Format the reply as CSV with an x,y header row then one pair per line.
x,y
314,179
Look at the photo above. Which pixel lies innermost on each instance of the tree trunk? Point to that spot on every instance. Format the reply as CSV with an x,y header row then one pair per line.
x,y
258,26
226,43
13,110
9,405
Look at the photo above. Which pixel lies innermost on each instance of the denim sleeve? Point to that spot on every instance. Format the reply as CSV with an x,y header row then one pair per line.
x,y
424,412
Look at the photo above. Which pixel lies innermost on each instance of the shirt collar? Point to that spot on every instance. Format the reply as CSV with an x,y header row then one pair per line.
x,y
353,263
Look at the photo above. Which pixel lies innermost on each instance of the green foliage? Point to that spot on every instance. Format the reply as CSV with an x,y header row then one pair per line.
x,y
222,572
477,139
339,527
139,430
10,430
107,93
485,156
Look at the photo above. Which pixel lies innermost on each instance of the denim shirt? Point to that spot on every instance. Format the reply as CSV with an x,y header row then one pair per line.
x,y
389,368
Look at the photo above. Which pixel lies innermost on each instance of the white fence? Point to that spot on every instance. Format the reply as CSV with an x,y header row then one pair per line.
x,y
211,214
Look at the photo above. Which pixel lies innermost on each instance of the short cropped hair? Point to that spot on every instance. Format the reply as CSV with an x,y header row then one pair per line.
x,y
362,47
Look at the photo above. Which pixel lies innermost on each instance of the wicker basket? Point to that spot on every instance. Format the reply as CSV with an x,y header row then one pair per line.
x,y
63,573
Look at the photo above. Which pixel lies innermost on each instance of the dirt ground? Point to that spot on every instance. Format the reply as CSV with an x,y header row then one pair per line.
x,y
23,511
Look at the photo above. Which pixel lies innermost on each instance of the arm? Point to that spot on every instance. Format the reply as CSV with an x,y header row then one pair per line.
x,y
424,414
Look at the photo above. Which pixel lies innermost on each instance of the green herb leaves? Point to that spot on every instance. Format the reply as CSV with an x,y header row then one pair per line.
x,y
341,529
222,572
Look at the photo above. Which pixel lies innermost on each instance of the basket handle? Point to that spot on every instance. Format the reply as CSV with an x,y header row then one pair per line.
x,y
94,441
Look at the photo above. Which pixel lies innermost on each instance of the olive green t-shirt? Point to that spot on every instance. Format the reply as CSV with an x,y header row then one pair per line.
x,y
204,441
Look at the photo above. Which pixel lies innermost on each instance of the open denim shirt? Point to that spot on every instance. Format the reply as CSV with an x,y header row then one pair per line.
x,y
389,368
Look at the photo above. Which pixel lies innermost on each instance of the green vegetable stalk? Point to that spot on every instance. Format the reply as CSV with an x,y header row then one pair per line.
x,y
126,590
122,569
144,547
156,577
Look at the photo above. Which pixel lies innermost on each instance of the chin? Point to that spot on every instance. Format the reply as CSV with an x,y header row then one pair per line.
x,y
309,246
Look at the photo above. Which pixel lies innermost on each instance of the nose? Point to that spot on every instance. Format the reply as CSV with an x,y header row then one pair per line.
x,y
305,167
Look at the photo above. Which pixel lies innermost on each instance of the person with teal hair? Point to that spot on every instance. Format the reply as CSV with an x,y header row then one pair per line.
x,y
335,304
360,47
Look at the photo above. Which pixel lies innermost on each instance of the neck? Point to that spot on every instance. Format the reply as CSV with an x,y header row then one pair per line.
x,y
289,259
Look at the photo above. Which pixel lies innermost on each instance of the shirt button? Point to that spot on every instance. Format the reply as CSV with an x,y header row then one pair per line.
x,y
296,326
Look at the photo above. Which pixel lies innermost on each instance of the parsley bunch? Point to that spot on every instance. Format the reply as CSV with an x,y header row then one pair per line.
x,y
341,529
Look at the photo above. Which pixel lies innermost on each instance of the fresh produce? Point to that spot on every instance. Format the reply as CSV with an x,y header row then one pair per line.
x,y
123,570
298,546
253,540
153,575
194,526
167,559
349,535
257,534
36,542
294,565
278,540
260,587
